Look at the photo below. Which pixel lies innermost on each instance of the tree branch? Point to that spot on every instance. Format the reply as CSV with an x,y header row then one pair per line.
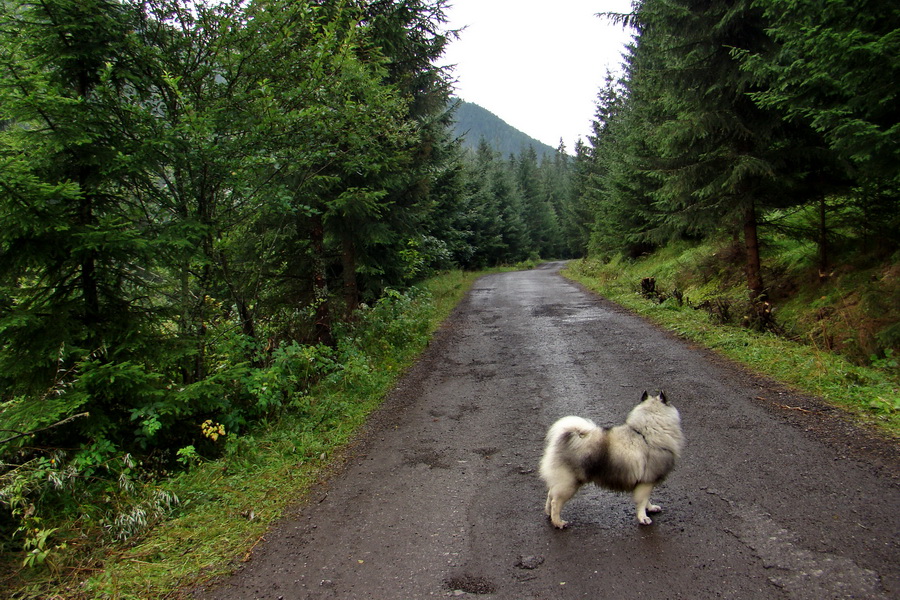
x,y
20,434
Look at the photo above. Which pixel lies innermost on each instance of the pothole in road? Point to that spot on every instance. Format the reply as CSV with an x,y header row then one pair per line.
x,y
428,457
486,452
470,584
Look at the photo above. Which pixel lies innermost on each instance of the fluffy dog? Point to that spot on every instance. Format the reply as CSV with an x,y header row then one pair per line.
x,y
632,457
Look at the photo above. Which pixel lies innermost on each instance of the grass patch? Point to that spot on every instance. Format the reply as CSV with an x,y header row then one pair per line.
x,y
870,394
226,505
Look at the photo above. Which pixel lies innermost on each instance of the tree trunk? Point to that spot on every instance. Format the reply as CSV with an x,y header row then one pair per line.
x,y
248,324
88,263
320,283
188,328
89,288
188,367
200,358
351,289
751,245
823,241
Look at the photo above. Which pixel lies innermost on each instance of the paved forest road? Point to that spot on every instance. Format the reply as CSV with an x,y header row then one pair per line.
x,y
775,496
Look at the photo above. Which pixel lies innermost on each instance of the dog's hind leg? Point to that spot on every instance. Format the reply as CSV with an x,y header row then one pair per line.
x,y
558,495
641,497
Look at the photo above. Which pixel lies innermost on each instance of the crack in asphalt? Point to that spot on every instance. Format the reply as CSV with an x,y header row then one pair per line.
x,y
804,574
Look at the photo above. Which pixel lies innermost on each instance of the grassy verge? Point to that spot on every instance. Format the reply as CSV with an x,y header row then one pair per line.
x,y
869,394
227,505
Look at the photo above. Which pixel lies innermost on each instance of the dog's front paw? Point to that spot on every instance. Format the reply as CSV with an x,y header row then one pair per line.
x,y
560,524
654,508
644,520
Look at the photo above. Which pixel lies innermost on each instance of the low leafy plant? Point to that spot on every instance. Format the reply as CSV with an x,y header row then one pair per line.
x,y
888,362
128,529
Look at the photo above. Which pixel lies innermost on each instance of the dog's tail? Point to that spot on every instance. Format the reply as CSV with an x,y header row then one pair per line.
x,y
569,430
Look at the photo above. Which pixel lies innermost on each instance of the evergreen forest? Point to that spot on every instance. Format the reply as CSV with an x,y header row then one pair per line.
x,y
208,207
766,132
203,205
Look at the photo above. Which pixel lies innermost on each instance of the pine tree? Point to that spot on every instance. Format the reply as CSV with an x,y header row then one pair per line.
x,y
719,158
516,239
581,214
540,219
482,219
834,67
410,35
78,258
557,184
616,183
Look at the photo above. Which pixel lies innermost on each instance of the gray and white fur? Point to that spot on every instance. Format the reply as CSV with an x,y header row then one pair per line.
x,y
632,457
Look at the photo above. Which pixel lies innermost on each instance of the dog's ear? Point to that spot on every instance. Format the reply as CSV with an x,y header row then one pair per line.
x,y
644,396
662,396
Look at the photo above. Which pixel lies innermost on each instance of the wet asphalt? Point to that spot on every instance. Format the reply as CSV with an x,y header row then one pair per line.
x,y
776,495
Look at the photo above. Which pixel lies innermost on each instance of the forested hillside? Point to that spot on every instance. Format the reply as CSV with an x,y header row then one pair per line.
x,y
473,123
777,176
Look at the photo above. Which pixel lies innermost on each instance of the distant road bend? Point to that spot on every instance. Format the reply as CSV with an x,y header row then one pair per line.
x,y
440,496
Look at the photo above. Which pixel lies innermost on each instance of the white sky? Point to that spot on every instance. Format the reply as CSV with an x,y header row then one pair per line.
x,y
536,64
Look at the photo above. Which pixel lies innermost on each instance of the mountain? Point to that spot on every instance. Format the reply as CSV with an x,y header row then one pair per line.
x,y
474,122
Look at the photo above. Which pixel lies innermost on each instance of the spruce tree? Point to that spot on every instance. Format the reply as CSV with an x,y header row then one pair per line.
x,y
540,219
411,35
78,258
557,185
580,214
618,184
516,239
834,68
719,158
